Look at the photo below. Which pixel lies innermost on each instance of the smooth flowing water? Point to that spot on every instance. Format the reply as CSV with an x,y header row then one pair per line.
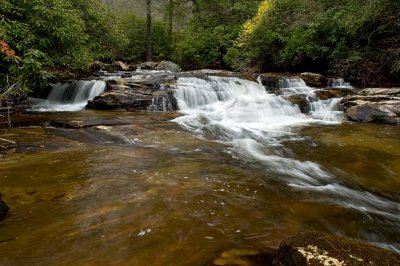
x,y
238,168
70,96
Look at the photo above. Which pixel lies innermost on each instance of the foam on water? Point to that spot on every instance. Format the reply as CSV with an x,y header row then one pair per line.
x,y
254,123
230,108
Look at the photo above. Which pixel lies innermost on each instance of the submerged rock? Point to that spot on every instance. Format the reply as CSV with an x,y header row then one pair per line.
x,y
244,257
377,105
91,122
3,209
314,248
301,101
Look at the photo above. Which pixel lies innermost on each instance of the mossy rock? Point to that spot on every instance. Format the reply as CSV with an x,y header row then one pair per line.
x,y
315,248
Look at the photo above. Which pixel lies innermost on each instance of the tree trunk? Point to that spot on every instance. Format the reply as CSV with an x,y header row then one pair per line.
x,y
170,19
148,31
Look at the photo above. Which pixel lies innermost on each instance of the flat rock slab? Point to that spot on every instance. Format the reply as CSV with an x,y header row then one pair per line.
x,y
75,124
315,248
374,105
381,91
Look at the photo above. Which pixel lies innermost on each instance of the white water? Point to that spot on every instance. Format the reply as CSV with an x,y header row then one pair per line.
x,y
253,122
72,96
254,125
295,86
230,108
325,110
340,83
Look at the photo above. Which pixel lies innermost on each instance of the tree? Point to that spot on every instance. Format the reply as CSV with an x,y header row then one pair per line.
x,y
148,32
170,18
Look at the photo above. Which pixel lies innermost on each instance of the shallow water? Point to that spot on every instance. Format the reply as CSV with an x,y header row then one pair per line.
x,y
152,193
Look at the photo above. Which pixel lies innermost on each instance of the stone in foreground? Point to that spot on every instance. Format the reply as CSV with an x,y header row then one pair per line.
x,y
315,248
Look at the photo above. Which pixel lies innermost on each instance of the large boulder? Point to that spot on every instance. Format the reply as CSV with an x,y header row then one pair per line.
x,y
315,248
377,105
314,79
301,101
122,99
147,92
168,66
148,65
3,209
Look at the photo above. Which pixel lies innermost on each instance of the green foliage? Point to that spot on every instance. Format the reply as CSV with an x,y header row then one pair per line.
x,y
205,42
45,34
204,48
135,32
355,39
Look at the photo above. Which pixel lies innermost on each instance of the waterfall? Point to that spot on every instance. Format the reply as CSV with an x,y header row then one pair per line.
x,y
244,116
326,110
228,109
339,83
71,96
253,123
255,127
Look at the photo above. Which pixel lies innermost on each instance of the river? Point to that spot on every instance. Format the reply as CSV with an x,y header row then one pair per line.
x,y
236,168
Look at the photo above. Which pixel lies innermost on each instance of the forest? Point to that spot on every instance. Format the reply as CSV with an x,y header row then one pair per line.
x,y
200,132
357,40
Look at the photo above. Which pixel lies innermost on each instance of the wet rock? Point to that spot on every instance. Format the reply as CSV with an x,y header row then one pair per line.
x,y
376,105
383,112
3,209
314,248
391,92
126,75
122,99
144,92
301,101
118,65
168,66
134,100
91,122
273,81
314,79
244,257
326,94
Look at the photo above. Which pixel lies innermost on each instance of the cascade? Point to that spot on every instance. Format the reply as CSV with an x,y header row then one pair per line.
x,y
339,83
255,125
229,108
71,96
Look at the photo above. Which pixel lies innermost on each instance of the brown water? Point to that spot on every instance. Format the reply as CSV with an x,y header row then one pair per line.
x,y
151,193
